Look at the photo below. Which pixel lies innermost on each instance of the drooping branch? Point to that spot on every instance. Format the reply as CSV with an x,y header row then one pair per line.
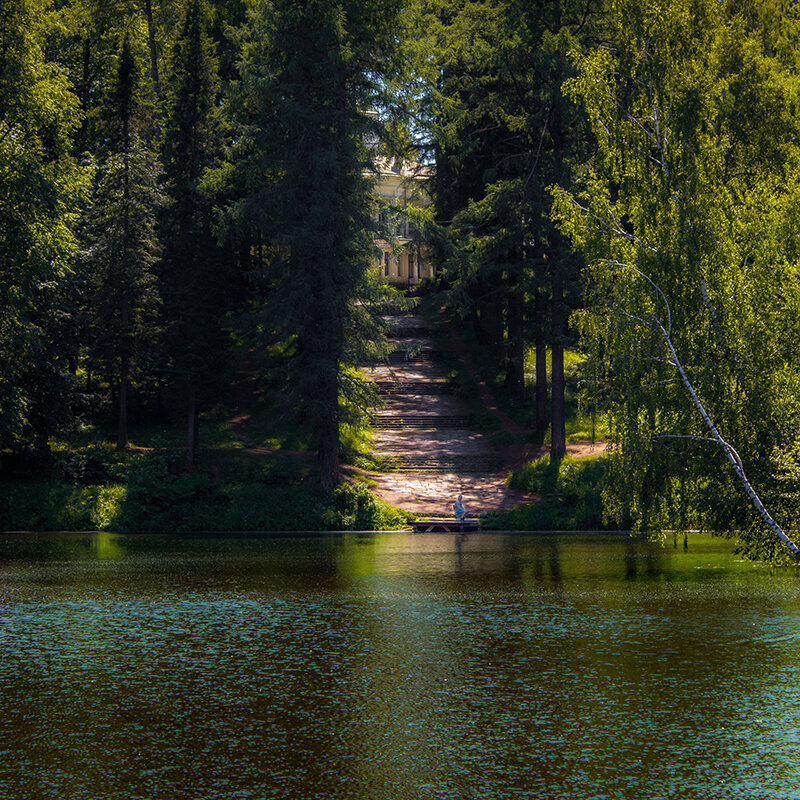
x,y
716,324
730,452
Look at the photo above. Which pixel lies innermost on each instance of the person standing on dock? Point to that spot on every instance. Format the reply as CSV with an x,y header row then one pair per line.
x,y
460,511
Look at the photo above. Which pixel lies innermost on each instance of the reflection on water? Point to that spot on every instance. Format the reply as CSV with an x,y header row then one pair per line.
x,y
393,666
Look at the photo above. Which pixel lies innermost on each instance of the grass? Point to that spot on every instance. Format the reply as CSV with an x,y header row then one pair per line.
x,y
571,495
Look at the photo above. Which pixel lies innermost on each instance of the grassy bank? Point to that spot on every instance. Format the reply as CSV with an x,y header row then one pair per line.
x,y
571,496
96,488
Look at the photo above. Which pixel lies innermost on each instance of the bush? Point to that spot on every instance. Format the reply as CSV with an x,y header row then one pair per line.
x,y
161,497
49,506
94,464
536,477
351,507
271,507
571,491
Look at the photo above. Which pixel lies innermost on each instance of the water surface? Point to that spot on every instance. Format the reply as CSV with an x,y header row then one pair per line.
x,y
392,666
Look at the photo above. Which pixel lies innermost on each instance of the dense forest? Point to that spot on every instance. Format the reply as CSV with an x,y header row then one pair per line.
x,y
185,187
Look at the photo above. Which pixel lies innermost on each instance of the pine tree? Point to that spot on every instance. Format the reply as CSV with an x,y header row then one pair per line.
x,y
123,245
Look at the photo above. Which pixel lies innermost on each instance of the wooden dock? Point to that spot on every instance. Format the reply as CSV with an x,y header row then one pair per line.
x,y
444,525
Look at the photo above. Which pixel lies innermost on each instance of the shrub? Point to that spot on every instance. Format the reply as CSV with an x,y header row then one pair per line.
x,y
351,507
571,491
93,464
162,497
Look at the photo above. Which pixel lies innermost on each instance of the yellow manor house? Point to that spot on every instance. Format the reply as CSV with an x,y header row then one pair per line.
x,y
400,255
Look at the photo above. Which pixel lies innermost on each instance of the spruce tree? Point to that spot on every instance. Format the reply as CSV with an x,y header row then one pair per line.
x,y
193,272
502,132
123,245
310,72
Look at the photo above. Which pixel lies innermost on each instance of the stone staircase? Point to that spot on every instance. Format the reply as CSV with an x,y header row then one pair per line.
x,y
457,464
424,427
417,388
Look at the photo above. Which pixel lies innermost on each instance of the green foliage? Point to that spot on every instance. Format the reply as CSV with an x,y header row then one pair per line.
x,y
537,477
93,464
692,194
571,496
52,506
309,72
502,130
121,242
40,187
351,507
160,496
197,281
151,492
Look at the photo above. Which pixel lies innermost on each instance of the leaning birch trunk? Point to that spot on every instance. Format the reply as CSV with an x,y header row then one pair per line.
x,y
730,453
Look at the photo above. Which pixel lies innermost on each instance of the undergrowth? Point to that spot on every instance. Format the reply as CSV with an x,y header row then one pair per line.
x,y
570,491
149,491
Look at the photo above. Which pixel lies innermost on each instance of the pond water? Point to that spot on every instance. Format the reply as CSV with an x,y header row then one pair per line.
x,y
393,666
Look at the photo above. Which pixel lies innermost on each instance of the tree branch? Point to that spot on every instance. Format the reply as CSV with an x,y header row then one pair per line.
x,y
727,448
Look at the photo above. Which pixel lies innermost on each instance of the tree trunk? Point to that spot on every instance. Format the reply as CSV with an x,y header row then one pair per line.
x,y
541,362
191,430
196,440
327,424
727,449
492,317
515,352
558,433
329,462
151,39
122,427
328,452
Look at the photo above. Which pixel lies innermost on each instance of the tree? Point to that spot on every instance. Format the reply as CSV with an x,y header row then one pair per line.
x,y
502,132
194,267
686,209
123,245
40,185
310,71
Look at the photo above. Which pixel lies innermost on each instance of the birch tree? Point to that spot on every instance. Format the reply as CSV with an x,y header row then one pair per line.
x,y
688,220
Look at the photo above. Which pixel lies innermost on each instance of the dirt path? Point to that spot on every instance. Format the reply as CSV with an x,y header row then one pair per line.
x,y
424,423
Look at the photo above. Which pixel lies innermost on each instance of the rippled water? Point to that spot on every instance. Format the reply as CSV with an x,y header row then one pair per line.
x,y
394,666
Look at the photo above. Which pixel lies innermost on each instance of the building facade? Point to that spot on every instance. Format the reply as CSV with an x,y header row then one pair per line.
x,y
399,253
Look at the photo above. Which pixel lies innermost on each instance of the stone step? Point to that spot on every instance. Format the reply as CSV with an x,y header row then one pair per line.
x,y
415,387
466,464
424,356
402,357
407,332
429,421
